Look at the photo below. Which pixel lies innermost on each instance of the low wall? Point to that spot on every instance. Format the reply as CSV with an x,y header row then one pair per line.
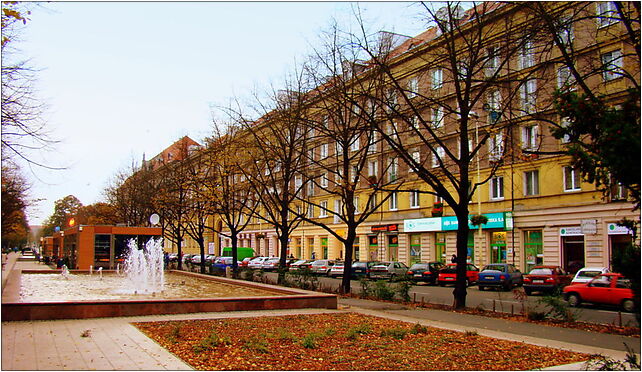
x,y
290,299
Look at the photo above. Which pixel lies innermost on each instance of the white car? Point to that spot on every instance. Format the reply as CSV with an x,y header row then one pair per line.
x,y
270,264
257,262
586,274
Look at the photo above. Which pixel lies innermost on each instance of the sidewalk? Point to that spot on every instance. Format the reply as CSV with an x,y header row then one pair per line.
x,y
114,344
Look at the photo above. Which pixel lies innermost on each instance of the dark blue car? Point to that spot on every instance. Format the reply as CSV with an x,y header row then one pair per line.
x,y
499,275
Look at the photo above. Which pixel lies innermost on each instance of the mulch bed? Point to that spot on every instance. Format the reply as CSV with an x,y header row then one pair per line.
x,y
347,341
518,317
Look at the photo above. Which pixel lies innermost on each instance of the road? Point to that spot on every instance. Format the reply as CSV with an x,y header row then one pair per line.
x,y
493,299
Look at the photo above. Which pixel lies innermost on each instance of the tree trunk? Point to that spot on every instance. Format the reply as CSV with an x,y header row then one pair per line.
x,y
283,240
235,253
459,293
180,249
347,265
201,245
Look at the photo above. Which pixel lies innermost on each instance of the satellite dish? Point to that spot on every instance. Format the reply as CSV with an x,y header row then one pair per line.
x,y
154,219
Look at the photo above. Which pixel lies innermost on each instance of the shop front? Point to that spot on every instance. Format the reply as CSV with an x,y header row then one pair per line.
x,y
390,232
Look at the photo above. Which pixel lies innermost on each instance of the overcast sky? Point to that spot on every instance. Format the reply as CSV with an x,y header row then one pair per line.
x,y
124,79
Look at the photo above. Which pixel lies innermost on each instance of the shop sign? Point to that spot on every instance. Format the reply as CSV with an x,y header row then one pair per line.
x,y
508,220
422,224
571,231
615,229
589,227
495,221
393,227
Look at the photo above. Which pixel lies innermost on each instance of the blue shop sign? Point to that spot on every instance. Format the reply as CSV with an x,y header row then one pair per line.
x,y
495,221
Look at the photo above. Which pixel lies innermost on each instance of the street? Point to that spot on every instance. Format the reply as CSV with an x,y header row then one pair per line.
x,y
500,301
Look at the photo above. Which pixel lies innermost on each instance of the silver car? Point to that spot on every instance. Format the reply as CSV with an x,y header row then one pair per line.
x,y
388,270
321,267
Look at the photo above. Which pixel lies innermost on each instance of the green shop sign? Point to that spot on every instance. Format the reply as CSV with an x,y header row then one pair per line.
x,y
495,221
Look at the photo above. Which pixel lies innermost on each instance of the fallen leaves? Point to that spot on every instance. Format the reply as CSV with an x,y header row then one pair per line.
x,y
345,341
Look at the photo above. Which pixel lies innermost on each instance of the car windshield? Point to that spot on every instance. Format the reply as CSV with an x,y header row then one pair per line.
x,y
541,271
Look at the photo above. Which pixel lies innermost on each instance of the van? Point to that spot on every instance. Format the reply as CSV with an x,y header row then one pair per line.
x,y
240,251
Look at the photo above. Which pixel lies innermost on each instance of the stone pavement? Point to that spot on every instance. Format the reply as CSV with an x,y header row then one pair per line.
x,y
115,344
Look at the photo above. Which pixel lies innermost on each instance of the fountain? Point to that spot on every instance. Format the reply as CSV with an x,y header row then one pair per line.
x,y
65,272
144,267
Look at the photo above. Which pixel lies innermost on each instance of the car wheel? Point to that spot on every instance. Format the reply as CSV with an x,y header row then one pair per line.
x,y
628,305
574,300
467,283
442,284
528,291
392,277
507,286
482,288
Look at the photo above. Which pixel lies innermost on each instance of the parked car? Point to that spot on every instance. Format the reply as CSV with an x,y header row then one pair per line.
x,y
448,274
336,269
245,261
586,274
270,264
196,259
547,279
221,263
361,269
187,259
209,259
321,267
257,262
300,264
388,270
173,257
499,275
425,272
608,289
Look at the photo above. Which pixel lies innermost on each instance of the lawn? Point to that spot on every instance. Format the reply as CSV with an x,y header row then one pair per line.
x,y
346,341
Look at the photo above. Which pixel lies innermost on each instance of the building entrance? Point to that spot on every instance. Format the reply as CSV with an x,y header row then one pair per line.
x,y
573,253
498,247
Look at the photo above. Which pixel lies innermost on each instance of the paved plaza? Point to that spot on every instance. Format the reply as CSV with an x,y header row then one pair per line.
x,y
115,344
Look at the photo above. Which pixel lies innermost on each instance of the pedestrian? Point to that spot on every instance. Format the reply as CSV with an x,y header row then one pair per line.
x,y
314,255
453,259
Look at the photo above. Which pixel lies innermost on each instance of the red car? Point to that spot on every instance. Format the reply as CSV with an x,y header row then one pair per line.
x,y
546,279
608,289
448,275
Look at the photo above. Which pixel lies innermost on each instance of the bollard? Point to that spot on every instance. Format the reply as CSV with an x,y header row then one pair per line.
x,y
228,272
511,309
414,297
619,317
493,305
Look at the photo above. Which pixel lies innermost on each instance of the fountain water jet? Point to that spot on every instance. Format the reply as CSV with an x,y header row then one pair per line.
x,y
144,267
65,272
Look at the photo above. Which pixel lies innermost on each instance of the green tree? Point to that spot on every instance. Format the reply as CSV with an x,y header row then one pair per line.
x,y
64,209
15,228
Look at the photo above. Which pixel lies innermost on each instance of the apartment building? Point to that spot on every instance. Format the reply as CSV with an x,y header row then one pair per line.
x,y
498,90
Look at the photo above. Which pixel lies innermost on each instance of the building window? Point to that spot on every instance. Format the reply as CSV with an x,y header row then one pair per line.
x,y
564,123
606,13
496,147
612,65
324,180
413,87
354,146
323,152
531,183
438,156
497,188
372,143
372,204
618,192
372,168
565,79
565,30
311,155
529,137
391,101
492,61
571,179
494,106
392,202
414,199
527,55
325,121
323,209
310,188
439,199
392,170
414,122
416,157
437,117
298,181
436,78
310,211
357,210
528,95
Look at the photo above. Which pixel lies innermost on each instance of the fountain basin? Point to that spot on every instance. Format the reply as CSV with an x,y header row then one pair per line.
x,y
269,297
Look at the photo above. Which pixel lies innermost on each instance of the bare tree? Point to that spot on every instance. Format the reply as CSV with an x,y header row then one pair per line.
x,y
131,193
449,101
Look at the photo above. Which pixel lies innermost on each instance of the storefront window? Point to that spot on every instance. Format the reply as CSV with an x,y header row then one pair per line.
x,y
440,247
533,249
393,247
573,249
101,249
324,247
355,248
470,247
415,248
373,246
313,254
498,247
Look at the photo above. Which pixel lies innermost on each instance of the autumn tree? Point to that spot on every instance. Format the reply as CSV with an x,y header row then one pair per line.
x,y
15,199
99,213
231,198
449,99
130,192
64,209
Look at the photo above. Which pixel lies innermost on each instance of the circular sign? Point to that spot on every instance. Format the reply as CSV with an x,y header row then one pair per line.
x,y
154,219
72,222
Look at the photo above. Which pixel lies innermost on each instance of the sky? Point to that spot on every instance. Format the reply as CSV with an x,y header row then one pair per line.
x,y
127,79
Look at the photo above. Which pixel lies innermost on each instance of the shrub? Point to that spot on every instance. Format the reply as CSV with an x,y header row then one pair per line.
x,y
245,273
310,341
396,333
174,334
471,333
558,308
257,343
354,332
536,315
366,288
304,279
382,291
418,328
600,362
403,289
